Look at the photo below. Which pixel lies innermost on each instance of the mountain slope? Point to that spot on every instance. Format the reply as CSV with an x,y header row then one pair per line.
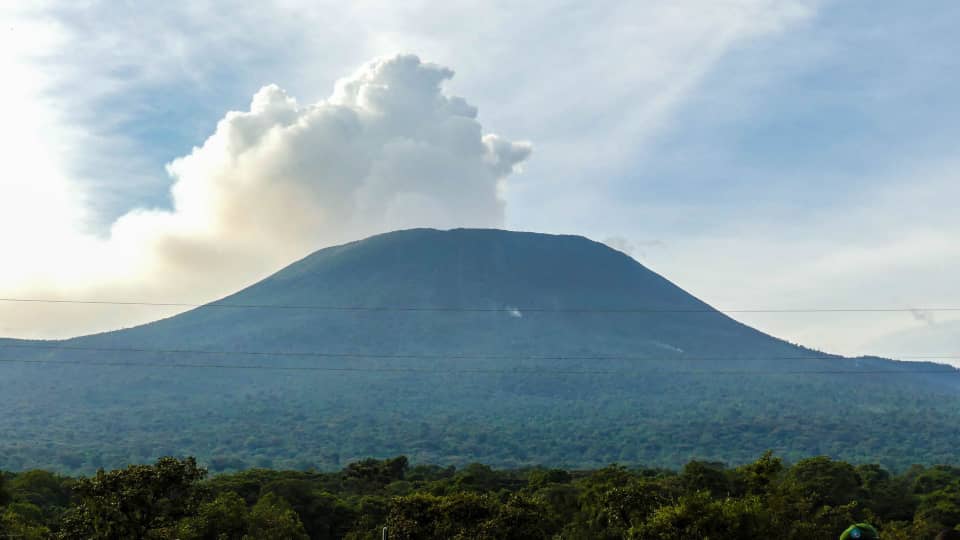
x,y
454,346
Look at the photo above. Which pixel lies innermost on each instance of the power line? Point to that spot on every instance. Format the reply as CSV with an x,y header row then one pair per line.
x,y
508,309
952,371
435,356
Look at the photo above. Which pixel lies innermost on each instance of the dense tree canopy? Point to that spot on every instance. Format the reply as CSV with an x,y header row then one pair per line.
x,y
812,499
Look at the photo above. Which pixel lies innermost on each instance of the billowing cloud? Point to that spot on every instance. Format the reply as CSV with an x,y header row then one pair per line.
x,y
388,150
91,134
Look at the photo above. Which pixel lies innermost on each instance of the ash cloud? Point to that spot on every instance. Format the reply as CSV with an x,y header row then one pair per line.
x,y
388,150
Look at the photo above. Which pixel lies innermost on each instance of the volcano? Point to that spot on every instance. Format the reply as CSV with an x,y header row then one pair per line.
x,y
508,348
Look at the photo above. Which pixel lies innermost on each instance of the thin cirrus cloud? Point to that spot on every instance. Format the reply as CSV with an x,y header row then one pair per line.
x,y
388,150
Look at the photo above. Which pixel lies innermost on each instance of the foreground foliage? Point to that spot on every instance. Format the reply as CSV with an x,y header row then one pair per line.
x,y
173,498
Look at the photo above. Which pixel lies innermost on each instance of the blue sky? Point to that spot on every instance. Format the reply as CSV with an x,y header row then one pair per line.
x,y
798,141
760,154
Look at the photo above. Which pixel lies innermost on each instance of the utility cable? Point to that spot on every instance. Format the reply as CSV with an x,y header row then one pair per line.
x,y
437,356
454,309
950,371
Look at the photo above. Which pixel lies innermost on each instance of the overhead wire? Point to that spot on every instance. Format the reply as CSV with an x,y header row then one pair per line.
x,y
479,309
454,356
515,371
435,356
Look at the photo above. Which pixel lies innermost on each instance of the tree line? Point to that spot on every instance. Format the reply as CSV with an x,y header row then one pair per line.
x,y
174,498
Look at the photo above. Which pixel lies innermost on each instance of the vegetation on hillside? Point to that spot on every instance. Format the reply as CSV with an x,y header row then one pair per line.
x,y
304,420
812,499
636,387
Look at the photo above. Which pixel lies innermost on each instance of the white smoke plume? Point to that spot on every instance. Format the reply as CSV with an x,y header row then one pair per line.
x,y
620,243
388,150
925,316
637,250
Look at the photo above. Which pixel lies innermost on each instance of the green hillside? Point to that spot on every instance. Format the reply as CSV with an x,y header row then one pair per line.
x,y
458,346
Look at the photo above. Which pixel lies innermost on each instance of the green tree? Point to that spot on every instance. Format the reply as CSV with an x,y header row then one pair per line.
x,y
822,481
482,478
707,476
23,521
823,522
12,527
224,518
759,477
621,508
4,494
467,515
886,495
595,515
429,517
935,478
323,515
42,488
371,515
50,492
272,518
139,502
378,471
561,504
940,509
538,478
520,518
701,516
815,499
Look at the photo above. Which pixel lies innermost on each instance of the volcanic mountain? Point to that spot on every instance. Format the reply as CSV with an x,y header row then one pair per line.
x,y
456,346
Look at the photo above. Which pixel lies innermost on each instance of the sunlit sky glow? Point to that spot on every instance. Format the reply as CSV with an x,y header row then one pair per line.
x,y
759,153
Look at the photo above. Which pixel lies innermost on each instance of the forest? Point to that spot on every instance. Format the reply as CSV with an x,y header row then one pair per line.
x,y
175,498
607,362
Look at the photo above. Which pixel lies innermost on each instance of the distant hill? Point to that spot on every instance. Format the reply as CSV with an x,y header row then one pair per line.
x,y
456,346
933,339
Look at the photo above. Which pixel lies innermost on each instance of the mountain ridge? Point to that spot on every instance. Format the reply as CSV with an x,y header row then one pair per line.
x,y
317,278
465,376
